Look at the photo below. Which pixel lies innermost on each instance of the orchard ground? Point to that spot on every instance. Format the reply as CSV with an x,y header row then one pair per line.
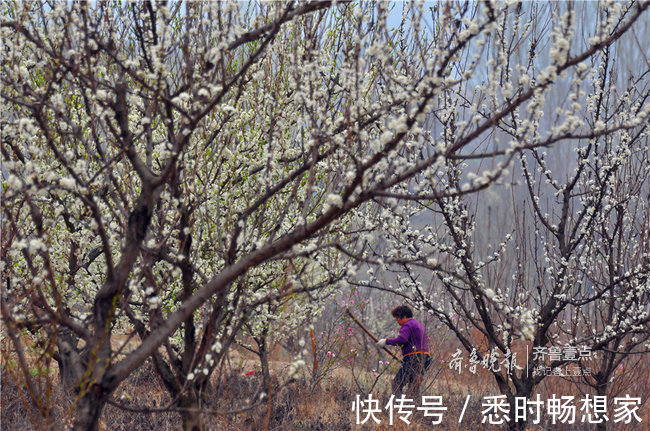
x,y
306,402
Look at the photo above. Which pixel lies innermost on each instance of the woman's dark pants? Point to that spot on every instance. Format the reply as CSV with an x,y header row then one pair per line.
x,y
413,367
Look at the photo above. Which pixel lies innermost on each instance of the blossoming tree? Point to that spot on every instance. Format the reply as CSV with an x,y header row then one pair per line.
x,y
177,168
555,254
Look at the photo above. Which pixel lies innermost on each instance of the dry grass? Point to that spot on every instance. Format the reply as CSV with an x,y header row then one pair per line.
x,y
301,406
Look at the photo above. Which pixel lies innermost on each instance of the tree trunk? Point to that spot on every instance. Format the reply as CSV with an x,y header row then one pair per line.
x,y
89,409
523,390
264,361
189,401
70,361
602,388
191,412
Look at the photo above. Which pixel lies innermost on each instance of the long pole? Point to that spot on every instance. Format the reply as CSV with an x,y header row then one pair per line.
x,y
347,310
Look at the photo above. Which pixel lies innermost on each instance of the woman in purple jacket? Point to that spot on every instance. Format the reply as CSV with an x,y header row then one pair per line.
x,y
413,340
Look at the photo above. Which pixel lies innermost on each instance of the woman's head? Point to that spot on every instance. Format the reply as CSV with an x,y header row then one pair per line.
x,y
402,311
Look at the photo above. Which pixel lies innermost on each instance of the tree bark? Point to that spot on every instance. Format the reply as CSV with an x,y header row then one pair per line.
x,y
68,358
191,412
602,388
522,390
89,408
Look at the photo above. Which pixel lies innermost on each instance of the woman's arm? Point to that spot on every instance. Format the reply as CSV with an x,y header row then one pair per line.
x,y
402,337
